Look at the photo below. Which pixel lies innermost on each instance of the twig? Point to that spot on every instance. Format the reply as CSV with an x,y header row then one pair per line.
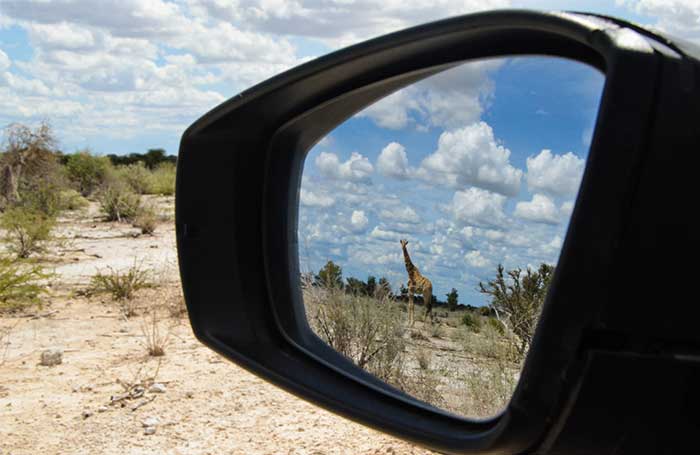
x,y
143,402
117,398
44,315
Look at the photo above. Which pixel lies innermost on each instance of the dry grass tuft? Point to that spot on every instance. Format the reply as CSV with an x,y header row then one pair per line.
x,y
122,286
156,334
5,335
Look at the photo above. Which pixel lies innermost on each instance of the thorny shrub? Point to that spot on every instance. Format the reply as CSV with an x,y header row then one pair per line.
x,y
27,231
119,202
21,285
366,330
146,220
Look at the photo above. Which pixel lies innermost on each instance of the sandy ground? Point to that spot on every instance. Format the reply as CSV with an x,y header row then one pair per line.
x,y
210,406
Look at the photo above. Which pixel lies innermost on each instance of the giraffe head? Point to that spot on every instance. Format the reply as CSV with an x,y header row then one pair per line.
x,y
403,243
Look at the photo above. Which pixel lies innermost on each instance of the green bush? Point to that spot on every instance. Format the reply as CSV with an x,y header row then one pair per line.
x,y
119,202
87,172
366,330
146,220
122,286
26,230
139,179
472,322
20,284
72,200
517,298
163,179
496,325
43,197
489,343
489,389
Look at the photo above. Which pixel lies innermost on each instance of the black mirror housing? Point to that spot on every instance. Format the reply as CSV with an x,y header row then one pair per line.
x,y
600,346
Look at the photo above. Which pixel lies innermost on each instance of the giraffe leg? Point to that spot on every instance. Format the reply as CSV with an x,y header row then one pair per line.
x,y
411,317
428,300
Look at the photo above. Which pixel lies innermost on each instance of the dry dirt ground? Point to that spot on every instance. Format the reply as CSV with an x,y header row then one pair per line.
x,y
210,406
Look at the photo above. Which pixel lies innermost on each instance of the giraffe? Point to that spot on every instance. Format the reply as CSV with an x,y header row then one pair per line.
x,y
417,283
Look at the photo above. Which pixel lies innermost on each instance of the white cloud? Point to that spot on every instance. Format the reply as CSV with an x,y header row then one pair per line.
x,y
566,209
385,234
358,221
478,207
491,234
393,111
550,249
467,232
392,161
312,199
62,36
471,156
404,214
357,168
475,259
451,99
126,68
365,256
4,61
540,209
133,18
338,23
456,97
558,175
677,17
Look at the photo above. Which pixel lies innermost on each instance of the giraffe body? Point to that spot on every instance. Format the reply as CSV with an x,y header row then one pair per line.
x,y
417,284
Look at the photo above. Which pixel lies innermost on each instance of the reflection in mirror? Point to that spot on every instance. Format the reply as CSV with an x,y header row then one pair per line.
x,y
431,222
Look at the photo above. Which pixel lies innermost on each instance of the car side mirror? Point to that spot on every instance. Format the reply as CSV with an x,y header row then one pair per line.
x,y
600,346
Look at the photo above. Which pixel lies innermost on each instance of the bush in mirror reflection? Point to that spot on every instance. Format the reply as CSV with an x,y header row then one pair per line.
x,y
517,301
465,360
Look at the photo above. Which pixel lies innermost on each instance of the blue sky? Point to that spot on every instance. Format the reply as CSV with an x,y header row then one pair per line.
x,y
133,74
417,178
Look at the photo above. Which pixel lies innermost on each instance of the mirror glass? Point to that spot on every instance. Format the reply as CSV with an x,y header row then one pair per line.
x,y
430,224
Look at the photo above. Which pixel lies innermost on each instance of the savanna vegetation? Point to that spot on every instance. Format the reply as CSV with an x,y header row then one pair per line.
x,y
462,358
39,183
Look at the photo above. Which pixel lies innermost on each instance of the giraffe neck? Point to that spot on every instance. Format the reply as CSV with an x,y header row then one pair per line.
x,y
410,268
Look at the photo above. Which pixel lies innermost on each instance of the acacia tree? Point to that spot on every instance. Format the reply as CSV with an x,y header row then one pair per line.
x,y
27,153
330,276
517,300
452,299
371,286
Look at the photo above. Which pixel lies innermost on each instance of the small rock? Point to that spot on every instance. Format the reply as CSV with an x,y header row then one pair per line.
x,y
102,409
86,414
149,430
51,357
149,422
189,395
156,388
